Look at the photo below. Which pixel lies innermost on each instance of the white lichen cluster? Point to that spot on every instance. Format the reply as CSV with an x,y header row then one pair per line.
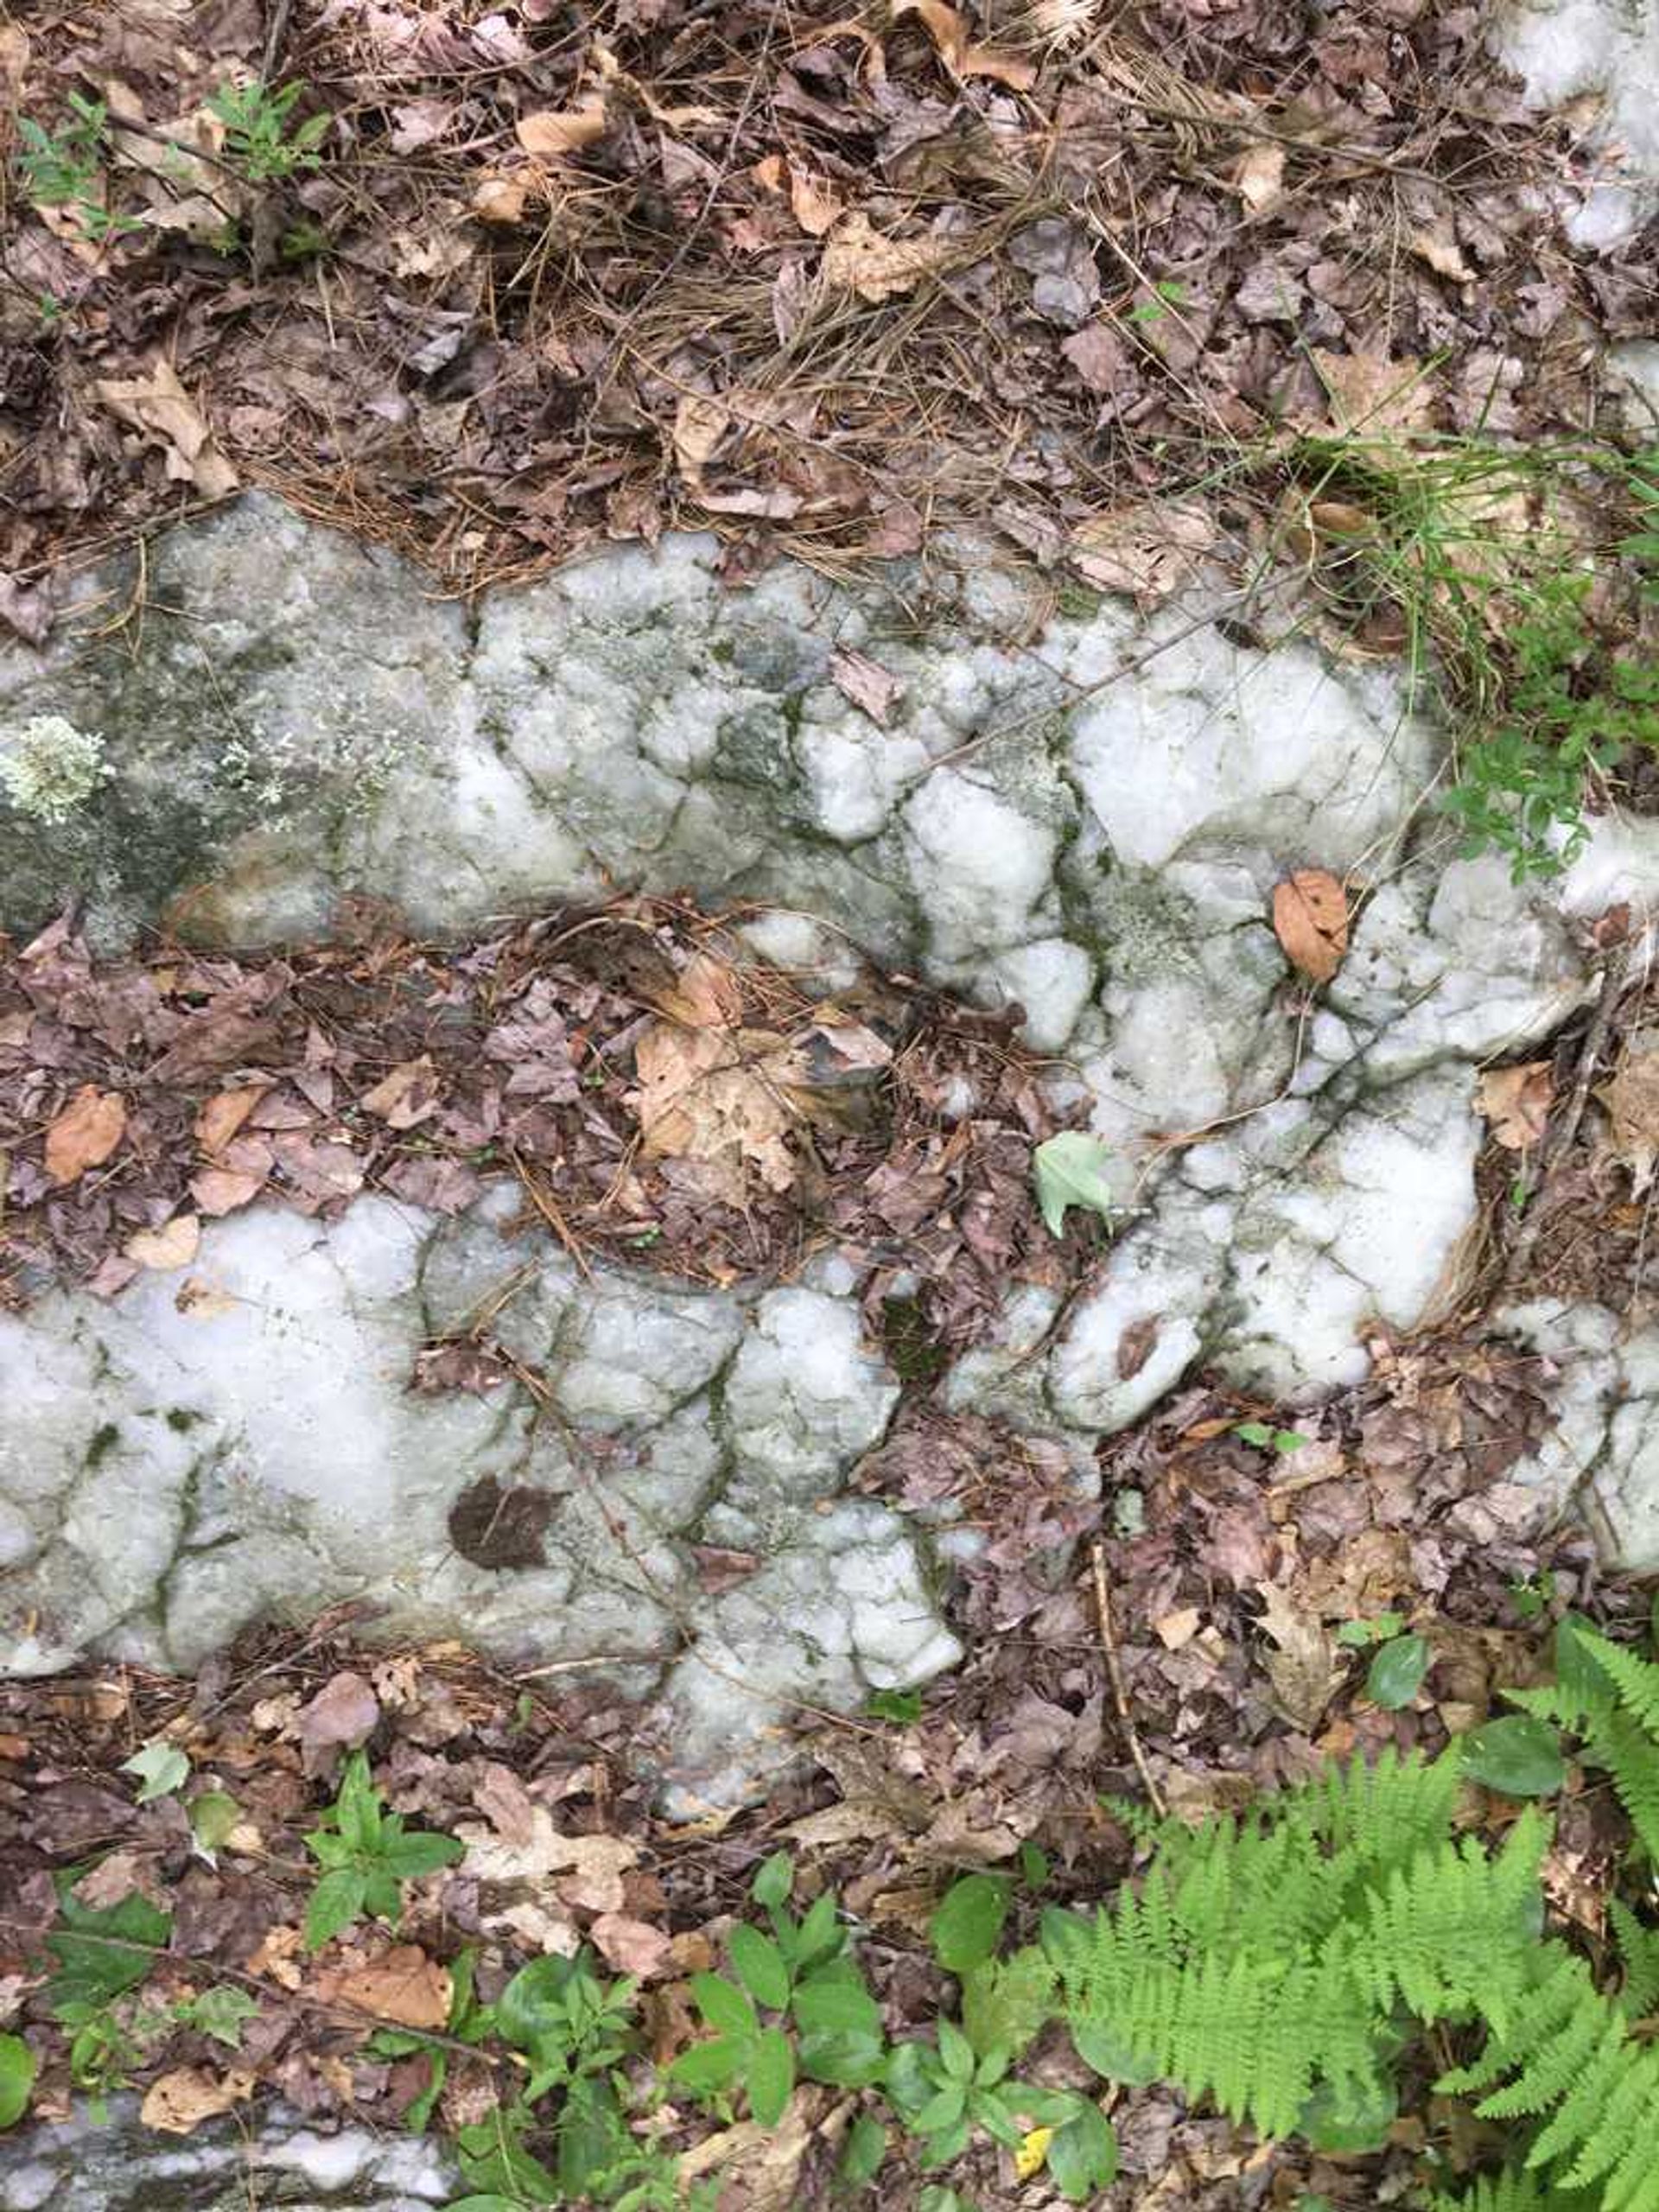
x,y
48,767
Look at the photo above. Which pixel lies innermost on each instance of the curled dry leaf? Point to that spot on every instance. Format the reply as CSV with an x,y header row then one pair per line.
x,y
1631,1098
85,1134
1259,179
701,423
953,39
503,198
817,207
177,2103
174,1244
552,134
406,1096
223,1114
1310,920
857,258
866,683
1515,1101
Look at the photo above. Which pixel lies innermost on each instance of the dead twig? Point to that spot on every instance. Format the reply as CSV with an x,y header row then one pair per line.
x,y
1114,1671
1558,1140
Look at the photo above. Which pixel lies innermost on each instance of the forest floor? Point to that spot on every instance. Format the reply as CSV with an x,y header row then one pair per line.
x,y
504,283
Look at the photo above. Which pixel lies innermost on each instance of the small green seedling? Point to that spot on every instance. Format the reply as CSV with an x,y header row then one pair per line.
x,y
1281,1441
1166,294
258,141
366,1855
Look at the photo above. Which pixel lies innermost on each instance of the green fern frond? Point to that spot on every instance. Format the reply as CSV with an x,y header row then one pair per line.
x,y
1568,2052
1449,1934
1639,1951
1513,2192
1635,1679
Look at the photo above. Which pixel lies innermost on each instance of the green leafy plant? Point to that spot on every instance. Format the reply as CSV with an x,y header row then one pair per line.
x,y
63,168
566,2137
366,1855
803,1977
258,142
161,1769
1069,1170
1397,1671
17,2070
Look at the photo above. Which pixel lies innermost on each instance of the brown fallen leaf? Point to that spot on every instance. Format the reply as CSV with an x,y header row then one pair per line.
x,y
701,423
1303,1667
1631,1097
344,1714
857,258
403,1985
504,197
174,1244
957,49
552,134
85,1133
1150,550
870,687
177,2103
159,407
1310,920
584,1870
705,995
1515,1101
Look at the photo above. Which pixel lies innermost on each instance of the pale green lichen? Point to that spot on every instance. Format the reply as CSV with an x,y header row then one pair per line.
x,y
50,768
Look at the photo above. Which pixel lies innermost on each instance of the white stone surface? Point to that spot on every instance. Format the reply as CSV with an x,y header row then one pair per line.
x,y
1605,51
1029,824
112,2164
195,1453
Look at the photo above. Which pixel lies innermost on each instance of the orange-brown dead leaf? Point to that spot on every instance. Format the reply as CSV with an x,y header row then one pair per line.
x,y
551,134
857,258
174,1244
403,1985
956,48
1149,549
1310,920
1515,1101
224,1114
86,1134
177,2103
161,409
